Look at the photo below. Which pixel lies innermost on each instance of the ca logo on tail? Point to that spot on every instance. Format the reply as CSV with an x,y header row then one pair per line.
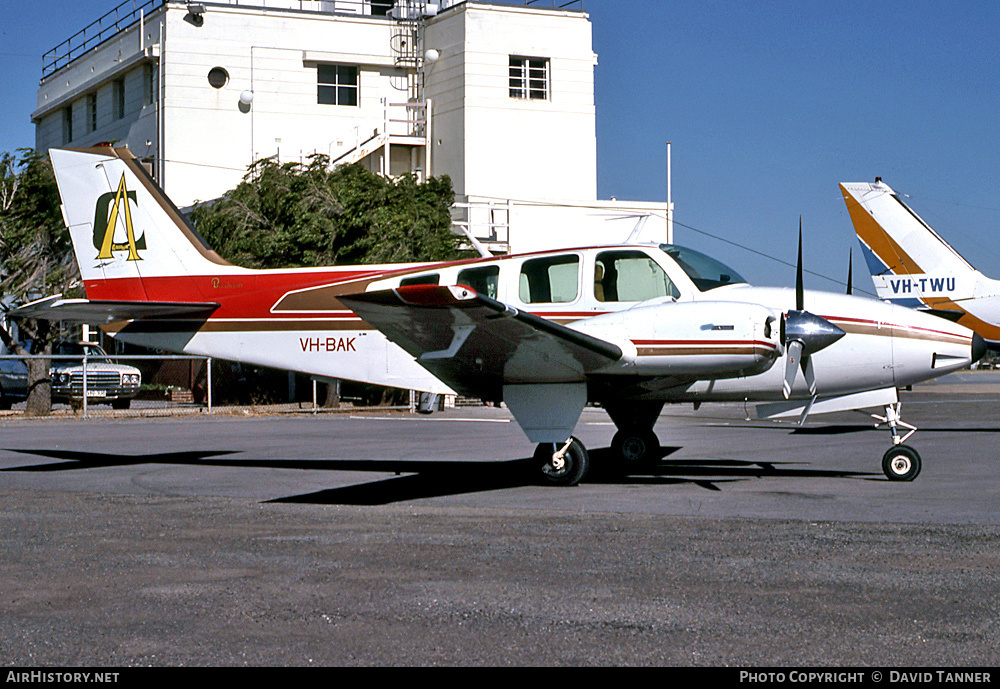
x,y
109,208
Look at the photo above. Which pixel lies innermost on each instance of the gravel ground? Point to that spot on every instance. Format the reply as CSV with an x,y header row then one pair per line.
x,y
138,580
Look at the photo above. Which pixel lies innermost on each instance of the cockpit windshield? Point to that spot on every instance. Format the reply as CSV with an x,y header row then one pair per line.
x,y
705,272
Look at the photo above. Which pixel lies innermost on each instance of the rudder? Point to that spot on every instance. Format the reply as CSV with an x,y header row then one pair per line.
x,y
125,230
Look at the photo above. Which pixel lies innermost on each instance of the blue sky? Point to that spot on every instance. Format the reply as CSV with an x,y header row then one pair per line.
x,y
768,105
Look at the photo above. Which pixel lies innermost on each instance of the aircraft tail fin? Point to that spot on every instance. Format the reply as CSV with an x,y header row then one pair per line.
x,y
909,262
127,236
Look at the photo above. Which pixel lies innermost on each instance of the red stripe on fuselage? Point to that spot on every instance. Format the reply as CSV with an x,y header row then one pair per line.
x,y
247,295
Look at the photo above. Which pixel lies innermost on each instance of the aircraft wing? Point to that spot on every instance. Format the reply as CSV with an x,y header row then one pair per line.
x,y
56,308
476,344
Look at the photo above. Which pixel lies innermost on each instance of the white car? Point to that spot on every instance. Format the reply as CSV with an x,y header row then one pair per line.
x,y
107,383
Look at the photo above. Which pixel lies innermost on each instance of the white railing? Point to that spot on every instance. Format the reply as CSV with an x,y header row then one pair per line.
x,y
486,224
95,33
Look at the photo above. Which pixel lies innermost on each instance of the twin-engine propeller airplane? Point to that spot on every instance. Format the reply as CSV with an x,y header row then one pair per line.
x,y
912,265
630,327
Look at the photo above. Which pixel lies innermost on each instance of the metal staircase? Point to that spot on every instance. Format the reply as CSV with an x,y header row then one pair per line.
x,y
404,123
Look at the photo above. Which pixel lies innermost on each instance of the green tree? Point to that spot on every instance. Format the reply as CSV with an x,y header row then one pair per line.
x,y
36,258
308,215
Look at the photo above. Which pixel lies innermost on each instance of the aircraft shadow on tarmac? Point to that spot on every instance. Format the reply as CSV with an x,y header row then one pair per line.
x,y
419,479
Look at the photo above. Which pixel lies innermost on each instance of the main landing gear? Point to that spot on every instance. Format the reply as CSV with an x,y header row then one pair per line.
x,y
563,464
901,462
635,445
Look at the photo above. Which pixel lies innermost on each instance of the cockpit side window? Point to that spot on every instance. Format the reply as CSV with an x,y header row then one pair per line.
x,y
550,280
630,276
483,280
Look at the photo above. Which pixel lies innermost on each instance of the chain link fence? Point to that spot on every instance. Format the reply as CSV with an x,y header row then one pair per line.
x,y
139,385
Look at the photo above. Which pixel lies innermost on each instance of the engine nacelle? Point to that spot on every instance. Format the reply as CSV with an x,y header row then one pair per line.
x,y
704,339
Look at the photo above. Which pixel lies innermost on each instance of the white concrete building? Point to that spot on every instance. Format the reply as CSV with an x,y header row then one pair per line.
x,y
499,96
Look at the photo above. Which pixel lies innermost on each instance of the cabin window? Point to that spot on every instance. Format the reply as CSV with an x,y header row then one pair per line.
x,y
483,280
630,276
431,279
550,280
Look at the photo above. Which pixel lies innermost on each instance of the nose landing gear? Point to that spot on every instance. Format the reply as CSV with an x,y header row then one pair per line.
x,y
901,462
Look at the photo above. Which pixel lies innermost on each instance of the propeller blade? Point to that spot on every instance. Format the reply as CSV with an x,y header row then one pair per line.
x,y
799,290
850,270
804,333
794,354
810,374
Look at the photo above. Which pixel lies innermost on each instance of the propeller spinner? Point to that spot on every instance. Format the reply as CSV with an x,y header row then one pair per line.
x,y
804,334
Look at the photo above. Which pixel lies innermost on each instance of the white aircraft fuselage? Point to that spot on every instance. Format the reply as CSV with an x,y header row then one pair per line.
x,y
627,326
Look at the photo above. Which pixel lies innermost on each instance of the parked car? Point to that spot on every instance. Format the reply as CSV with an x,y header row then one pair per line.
x,y
107,383
13,381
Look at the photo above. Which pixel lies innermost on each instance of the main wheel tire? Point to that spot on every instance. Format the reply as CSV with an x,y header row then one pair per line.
x,y
567,472
121,404
635,449
901,463
5,403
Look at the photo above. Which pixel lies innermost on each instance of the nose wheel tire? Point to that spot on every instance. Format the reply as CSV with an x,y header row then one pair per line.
x,y
563,464
901,463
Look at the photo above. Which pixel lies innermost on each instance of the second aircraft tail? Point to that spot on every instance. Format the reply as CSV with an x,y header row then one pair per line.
x,y
912,265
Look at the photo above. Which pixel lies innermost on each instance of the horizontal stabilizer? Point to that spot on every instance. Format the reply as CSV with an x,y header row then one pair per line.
x,y
476,344
56,308
947,314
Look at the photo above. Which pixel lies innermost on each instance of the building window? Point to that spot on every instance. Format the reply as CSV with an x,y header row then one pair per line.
x,y
67,124
92,112
151,80
529,78
118,89
382,8
218,77
336,85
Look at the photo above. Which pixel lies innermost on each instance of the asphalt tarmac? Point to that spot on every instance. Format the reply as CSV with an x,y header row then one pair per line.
x,y
384,538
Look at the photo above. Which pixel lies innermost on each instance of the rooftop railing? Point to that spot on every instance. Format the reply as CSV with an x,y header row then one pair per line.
x,y
129,12
95,33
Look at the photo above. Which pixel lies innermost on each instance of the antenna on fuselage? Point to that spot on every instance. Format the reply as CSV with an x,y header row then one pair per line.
x,y
850,271
633,237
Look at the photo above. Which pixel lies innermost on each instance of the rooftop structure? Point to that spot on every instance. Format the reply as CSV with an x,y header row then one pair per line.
x,y
498,96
